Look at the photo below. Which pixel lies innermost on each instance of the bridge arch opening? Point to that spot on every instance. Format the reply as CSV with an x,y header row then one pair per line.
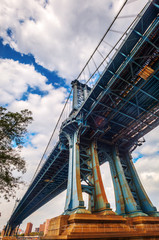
x,y
108,183
86,199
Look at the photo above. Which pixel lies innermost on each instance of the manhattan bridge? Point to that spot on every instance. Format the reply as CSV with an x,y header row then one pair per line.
x,y
115,102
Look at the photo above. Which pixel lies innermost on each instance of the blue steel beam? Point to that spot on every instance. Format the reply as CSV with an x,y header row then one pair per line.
x,y
46,198
141,108
124,64
41,176
130,203
147,18
144,201
42,189
115,110
146,39
25,198
134,86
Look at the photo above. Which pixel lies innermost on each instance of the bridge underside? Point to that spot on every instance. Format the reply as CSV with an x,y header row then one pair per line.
x,y
121,108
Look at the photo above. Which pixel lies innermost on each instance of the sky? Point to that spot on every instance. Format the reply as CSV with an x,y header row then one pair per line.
x,y
44,44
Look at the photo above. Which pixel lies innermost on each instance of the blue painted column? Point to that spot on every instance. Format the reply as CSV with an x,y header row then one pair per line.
x,y
101,204
119,199
145,203
74,199
130,203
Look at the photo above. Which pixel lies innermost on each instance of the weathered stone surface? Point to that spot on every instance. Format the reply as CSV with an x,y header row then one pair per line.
x,y
9,238
92,226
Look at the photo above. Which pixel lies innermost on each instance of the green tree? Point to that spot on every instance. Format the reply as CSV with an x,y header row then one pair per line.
x,y
34,234
13,129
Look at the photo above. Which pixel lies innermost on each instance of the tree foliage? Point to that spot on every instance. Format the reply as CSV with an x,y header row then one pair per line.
x,y
35,234
13,129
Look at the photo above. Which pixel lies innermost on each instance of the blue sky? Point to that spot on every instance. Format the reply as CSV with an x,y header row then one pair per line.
x,y
6,52
43,47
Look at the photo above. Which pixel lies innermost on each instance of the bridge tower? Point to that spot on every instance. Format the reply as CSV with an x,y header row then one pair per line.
x,y
83,162
85,157
80,93
131,198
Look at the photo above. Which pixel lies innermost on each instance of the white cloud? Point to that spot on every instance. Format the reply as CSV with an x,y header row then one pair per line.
x,y
148,165
62,35
153,140
46,109
108,184
16,78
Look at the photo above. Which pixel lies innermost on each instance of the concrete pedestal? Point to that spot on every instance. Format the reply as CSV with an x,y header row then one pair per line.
x,y
92,226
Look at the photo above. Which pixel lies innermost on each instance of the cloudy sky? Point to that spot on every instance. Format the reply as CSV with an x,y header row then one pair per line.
x,y
43,46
